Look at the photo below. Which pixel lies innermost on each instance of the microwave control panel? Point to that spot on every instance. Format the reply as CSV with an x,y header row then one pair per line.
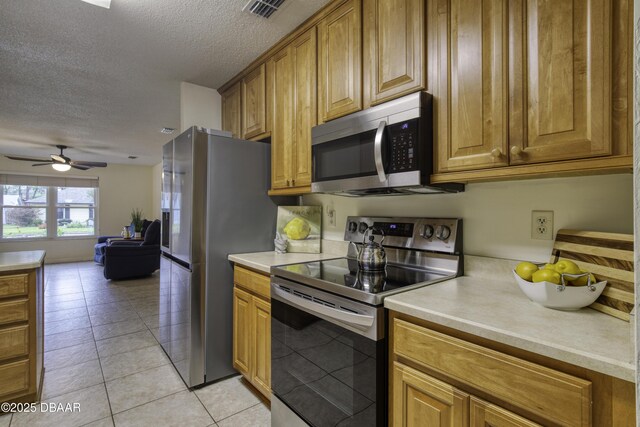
x,y
403,150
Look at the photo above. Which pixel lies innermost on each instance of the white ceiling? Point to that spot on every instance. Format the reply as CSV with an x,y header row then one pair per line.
x,y
104,81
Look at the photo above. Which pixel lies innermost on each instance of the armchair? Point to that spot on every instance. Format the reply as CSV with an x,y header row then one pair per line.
x,y
128,259
99,248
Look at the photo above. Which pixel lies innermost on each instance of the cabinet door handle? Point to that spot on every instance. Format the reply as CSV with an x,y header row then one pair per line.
x,y
516,151
496,153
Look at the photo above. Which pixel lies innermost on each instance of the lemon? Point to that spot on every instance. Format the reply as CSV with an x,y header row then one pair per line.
x,y
526,269
546,275
567,266
582,281
549,267
297,229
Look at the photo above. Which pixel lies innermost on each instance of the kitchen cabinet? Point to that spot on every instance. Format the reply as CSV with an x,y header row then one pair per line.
x,y
469,64
422,400
394,49
231,110
293,84
340,62
441,374
254,104
528,84
252,328
21,335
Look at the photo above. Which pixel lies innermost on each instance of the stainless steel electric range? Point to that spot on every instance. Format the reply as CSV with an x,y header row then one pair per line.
x,y
328,325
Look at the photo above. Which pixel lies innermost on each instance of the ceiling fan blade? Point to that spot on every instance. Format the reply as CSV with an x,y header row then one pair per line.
x,y
27,159
89,164
82,168
42,164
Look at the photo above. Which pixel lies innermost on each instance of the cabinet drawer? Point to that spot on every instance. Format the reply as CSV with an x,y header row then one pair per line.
x,y
255,282
14,378
14,311
14,342
15,285
552,395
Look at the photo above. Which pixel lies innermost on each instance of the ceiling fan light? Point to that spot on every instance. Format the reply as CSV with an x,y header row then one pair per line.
x,y
102,3
61,167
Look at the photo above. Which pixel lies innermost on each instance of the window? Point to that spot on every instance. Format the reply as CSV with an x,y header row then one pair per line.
x,y
76,205
35,207
24,211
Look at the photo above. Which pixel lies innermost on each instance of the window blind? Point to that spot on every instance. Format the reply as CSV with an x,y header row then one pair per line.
x,y
48,180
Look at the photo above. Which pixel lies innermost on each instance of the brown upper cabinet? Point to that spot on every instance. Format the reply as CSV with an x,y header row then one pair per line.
x,y
339,62
254,104
394,54
527,83
292,86
468,63
231,110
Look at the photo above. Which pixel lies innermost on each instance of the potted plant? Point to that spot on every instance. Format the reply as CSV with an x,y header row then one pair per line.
x,y
136,220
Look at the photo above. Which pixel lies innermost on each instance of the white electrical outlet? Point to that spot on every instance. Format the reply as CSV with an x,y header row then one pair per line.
x,y
542,225
331,214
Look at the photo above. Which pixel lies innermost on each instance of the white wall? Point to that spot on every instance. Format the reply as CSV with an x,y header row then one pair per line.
x,y
497,216
199,106
156,190
122,188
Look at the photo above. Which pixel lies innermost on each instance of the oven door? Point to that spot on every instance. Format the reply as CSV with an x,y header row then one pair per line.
x,y
328,357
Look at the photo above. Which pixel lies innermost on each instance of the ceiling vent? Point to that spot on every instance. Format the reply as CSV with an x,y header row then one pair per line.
x,y
263,8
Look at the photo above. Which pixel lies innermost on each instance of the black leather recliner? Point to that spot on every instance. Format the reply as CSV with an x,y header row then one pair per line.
x,y
100,247
126,259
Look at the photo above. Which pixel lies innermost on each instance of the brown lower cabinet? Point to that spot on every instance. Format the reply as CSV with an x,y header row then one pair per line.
x,y
21,335
440,377
252,328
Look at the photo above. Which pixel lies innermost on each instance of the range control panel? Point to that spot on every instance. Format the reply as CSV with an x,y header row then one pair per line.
x,y
429,234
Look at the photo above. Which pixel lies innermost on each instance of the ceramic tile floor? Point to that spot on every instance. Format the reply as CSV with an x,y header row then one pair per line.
x,y
101,352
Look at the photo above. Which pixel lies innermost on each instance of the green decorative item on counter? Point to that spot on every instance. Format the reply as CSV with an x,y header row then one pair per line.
x,y
137,219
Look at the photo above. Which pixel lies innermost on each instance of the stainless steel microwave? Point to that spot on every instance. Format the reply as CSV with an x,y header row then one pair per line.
x,y
386,149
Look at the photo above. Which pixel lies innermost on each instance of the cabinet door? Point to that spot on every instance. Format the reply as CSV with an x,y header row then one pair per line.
x,y
394,48
420,400
339,62
468,72
231,110
242,331
261,346
280,71
484,414
254,108
304,53
560,63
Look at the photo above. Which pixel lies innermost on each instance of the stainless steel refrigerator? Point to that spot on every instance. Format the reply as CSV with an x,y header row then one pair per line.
x,y
214,202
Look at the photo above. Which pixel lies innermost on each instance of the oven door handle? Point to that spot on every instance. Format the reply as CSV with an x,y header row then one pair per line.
x,y
377,151
352,319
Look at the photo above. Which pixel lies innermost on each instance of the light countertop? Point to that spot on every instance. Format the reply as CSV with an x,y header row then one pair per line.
x,y
263,261
22,260
494,308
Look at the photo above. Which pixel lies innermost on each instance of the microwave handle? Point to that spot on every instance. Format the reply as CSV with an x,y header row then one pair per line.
x,y
377,151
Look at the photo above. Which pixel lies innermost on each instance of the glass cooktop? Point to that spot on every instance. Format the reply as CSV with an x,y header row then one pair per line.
x,y
345,273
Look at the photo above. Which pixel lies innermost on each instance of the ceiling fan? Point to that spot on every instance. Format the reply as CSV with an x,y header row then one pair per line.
x,y
60,162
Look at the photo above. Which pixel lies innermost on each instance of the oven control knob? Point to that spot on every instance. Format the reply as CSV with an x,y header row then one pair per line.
x,y
427,231
353,226
443,232
362,227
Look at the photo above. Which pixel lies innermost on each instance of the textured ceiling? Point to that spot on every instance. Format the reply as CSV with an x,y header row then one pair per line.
x,y
104,81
